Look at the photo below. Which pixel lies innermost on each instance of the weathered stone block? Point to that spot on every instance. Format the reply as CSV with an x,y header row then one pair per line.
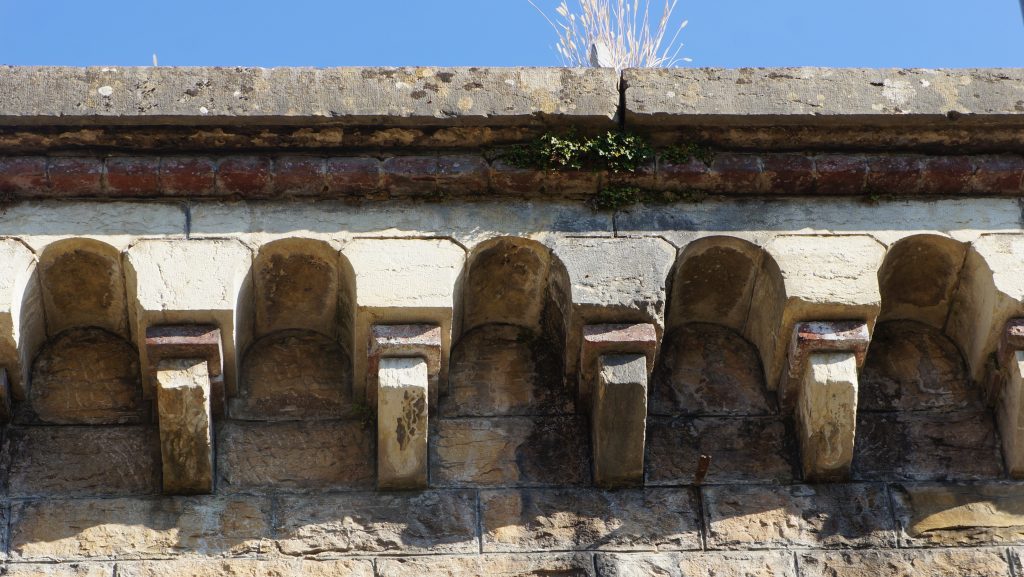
x,y
83,286
966,562
295,455
826,415
742,450
493,565
510,451
697,564
618,420
1009,409
49,461
927,446
247,568
422,341
58,570
817,337
186,425
614,339
505,370
139,528
933,515
560,519
358,523
402,428
820,516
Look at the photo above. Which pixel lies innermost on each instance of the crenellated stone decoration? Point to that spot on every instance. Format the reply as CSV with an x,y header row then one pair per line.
x,y
618,359
185,366
1009,395
404,364
822,382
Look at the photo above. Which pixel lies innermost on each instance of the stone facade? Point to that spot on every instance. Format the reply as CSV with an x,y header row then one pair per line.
x,y
315,322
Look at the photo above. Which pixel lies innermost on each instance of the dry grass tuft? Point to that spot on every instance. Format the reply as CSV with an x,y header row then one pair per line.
x,y
615,34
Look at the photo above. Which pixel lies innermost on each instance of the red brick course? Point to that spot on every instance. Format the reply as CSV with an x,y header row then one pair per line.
x,y
445,176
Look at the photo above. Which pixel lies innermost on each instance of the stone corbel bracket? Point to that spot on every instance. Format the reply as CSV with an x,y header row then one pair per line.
x,y
1009,395
616,361
821,387
403,368
184,364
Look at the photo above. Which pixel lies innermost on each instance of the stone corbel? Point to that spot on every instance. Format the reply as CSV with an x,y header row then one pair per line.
x,y
403,368
615,362
821,387
184,365
1009,395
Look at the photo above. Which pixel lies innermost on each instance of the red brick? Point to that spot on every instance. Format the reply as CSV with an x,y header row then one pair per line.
x,y
299,175
690,175
737,173
572,183
359,175
840,174
645,177
998,175
76,176
133,175
893,174
187,175
788,173
511,180
946,174
249,176
459,175
411,175
22,174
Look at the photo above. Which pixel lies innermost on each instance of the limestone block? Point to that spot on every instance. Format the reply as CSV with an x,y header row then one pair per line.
x,y
618,420
83,285
186,440
494,565
402,424
436,522
741,450
297,284
522,451
598,340
246,568
820,278
93,460
404,341
712,564
137,528
991,292
22,325
402,282
1010,414
192,282
312,455
61,570
936,563
584,519
204,342
816,516
827,416
959,515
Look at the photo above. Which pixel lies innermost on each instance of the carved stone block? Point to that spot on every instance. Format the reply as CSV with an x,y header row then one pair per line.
x,y
404,341
186,442
615,339
619,420
402,423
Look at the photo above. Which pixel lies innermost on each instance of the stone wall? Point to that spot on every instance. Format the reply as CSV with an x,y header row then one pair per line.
x,y
290,322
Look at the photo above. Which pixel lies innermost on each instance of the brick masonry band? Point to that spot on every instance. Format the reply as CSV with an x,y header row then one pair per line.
x,y
444,176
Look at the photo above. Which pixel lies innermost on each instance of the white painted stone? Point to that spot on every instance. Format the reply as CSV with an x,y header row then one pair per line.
x,y
991,292
258,223
618,420
22,324
821,278
403,281
118,224
402,407
827,415
192,282
186,440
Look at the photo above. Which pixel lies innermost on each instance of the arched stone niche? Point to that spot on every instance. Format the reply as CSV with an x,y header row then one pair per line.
x,y
920,416
509,414
88,371
707,392
298,366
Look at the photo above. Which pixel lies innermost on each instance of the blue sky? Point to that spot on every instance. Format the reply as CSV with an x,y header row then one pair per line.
x,y
876,33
